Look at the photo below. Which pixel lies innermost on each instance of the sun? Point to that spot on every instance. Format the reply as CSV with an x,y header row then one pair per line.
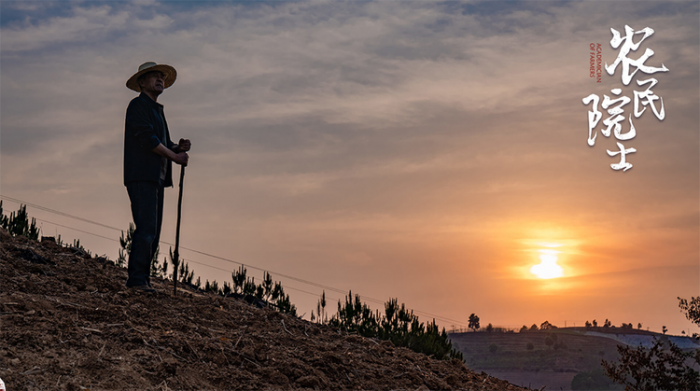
x,y
548,267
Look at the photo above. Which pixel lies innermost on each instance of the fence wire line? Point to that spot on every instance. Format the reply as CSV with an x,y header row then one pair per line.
x,y
318,285
184,260
222,269
75,229
57,212
187,260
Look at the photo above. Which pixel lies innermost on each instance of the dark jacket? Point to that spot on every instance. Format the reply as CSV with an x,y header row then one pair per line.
x,y
144,129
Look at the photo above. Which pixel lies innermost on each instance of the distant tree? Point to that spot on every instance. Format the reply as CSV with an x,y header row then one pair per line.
x,y
607,324
547,326
523,329
474,322
489,328
548,341
530,346
588,324
533,327
594,323
639,326
664,329
493,348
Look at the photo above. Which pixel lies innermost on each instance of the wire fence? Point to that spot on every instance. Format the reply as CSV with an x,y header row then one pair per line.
x,y
325,287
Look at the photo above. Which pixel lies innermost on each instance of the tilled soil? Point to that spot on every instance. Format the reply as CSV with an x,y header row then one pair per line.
x,y
68,323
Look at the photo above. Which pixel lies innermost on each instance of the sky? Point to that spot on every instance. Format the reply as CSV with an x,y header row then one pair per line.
x,y
432,152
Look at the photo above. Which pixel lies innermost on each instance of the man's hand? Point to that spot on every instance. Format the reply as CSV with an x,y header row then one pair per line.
x,y
181,158
184,145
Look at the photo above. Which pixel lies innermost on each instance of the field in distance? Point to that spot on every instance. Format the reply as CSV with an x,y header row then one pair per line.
x,y
548,357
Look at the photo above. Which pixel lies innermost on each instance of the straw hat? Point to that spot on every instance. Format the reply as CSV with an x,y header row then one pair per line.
x,y
169,75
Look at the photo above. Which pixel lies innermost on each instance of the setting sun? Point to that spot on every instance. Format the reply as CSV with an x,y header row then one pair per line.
x,y
547,268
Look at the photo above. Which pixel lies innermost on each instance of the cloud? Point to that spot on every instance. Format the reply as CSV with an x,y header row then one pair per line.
x,y
23,6
390,130
86,24
314,77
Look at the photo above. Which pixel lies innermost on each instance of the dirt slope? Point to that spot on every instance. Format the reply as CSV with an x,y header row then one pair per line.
x,y
69,323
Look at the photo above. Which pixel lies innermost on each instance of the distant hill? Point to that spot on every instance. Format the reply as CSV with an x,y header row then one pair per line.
x,y
577,350
646,340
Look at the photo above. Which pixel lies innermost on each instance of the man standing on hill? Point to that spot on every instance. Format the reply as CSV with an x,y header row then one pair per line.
x,y
148,153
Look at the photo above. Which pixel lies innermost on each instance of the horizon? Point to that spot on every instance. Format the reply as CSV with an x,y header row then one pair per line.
x,y
431,152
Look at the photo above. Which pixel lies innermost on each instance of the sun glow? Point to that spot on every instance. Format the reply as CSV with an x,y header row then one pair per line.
x,y
548,267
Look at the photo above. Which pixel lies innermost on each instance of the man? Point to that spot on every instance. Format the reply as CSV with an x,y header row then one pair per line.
x,y
148,153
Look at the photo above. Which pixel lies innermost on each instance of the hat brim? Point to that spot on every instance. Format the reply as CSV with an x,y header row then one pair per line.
x,y
170,74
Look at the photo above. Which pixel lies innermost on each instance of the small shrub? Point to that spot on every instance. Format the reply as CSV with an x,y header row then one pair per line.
x,y
398,325
656,368
593,380
17,224
125,245
548,341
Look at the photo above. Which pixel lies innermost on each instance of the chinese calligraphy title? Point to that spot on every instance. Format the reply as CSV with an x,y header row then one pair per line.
x,y
614,107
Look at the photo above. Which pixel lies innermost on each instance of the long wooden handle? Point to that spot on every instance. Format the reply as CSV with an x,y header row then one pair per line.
x,y
176,256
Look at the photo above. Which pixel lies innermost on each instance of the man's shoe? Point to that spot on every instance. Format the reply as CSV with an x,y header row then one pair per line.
x,y
142,288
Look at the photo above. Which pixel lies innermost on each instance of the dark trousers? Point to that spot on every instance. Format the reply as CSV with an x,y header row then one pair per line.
x,y
147,211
